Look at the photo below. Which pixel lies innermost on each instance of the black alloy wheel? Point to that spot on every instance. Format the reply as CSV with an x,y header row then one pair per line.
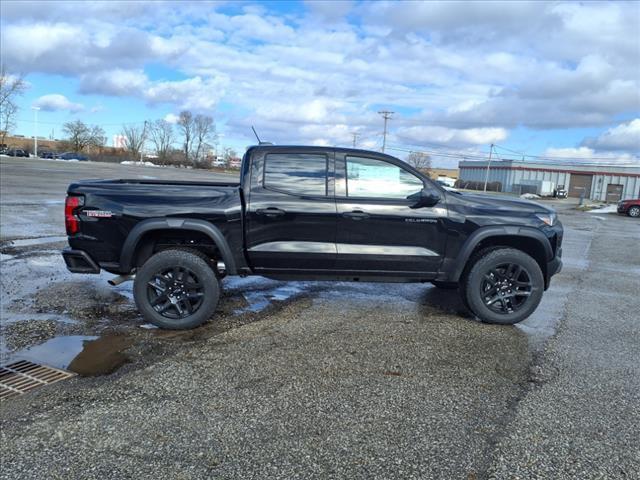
x,y
506,288
175,293
504,285
176,289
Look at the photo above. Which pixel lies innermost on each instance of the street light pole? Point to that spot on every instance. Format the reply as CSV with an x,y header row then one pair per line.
x,y
35,130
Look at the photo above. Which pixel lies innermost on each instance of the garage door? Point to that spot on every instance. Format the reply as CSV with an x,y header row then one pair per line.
x,y
614,193
580,185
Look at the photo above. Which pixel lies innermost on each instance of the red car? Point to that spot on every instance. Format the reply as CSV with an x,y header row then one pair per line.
x,y
630,207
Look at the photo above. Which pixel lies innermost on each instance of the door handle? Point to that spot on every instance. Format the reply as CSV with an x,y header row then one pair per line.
x,y
270,212
356,215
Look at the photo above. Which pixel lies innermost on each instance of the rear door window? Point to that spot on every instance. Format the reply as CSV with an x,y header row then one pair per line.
x,y
296,173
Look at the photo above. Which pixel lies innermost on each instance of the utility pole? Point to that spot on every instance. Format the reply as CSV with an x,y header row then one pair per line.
x,y
35,130
486,178
386,114
355,138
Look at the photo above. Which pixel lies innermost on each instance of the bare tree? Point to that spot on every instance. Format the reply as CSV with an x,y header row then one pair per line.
x,y
186,127
80,135
161,135
134,137
419,161
98,136
204,130
229,154
11,87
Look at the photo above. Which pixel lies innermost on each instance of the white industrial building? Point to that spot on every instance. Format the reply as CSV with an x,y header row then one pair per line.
x,y
596,182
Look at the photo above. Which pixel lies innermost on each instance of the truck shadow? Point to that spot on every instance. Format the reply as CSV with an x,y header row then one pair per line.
x,y
445,301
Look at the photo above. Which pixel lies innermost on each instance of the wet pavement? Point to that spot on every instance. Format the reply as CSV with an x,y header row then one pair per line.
x,y
317,379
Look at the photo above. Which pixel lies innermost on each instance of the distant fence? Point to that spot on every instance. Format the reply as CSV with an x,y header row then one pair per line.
x,y
476,185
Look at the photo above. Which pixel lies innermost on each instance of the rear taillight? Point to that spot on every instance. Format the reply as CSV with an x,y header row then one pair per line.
x,y
71,221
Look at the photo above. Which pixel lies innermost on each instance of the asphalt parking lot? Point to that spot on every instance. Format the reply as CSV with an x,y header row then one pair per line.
x,y
316,380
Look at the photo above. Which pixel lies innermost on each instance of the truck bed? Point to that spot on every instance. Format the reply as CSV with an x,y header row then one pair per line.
x,y
112,208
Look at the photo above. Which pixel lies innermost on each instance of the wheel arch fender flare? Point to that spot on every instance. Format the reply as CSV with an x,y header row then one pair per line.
x,y
151,224
486,233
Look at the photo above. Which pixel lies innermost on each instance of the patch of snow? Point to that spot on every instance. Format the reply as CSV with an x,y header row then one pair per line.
x,y
605,209
148,326
4,257
529,196
28,242
143,164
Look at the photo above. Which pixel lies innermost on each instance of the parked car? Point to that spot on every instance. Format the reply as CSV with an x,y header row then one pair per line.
x,y
17,152
46,154
73,156
220,163
630,207
560,192
316,213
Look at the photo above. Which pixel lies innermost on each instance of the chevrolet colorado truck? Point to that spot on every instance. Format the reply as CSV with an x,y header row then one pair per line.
x,y
311,213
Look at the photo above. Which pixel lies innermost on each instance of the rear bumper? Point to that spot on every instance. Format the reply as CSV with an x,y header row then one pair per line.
x,y
79,261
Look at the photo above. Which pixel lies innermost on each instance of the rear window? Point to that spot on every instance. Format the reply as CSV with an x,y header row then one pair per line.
x,y
296,173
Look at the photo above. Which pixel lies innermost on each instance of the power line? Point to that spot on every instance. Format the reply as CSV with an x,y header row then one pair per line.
x,y
386,114
480,157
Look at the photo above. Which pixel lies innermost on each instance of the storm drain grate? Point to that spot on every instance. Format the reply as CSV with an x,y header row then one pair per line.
x,y
20,377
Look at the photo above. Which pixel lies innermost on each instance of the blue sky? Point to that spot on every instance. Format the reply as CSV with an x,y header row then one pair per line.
x,y
554,79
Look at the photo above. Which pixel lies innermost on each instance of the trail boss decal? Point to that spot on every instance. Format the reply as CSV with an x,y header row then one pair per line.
x,y
98,213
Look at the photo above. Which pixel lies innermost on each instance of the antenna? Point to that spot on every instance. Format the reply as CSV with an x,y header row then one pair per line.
x,y
260,142
256,134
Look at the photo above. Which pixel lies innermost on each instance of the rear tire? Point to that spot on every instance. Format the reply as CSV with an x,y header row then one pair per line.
x,y
503,286
176,290
634,212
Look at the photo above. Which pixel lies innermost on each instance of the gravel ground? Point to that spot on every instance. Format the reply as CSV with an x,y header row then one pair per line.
x,y
583,420
331,380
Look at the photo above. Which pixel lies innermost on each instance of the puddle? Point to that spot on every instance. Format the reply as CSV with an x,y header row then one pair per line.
x,y
101,356
82,354
258,300
57,352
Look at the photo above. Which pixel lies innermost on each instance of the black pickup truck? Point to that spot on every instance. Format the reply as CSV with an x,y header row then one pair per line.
x,y
311,213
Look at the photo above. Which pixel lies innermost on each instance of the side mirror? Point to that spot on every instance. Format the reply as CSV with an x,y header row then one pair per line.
x,y
424,198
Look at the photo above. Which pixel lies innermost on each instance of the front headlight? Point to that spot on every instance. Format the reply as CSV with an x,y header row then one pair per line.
x,y
548,218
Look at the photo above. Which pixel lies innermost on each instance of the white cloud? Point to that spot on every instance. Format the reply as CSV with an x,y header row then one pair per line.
x,y
114,82
55,102
192,94
586,153
470,71
171,118
624,137
420,135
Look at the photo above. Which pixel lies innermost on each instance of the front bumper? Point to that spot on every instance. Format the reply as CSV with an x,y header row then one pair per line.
x,y
79,261
553,266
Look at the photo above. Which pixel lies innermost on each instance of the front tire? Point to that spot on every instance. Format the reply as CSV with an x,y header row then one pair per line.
x,y
503,286
634,212
176,290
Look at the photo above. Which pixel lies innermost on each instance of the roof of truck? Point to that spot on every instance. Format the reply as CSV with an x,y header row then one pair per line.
x,y
317,148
